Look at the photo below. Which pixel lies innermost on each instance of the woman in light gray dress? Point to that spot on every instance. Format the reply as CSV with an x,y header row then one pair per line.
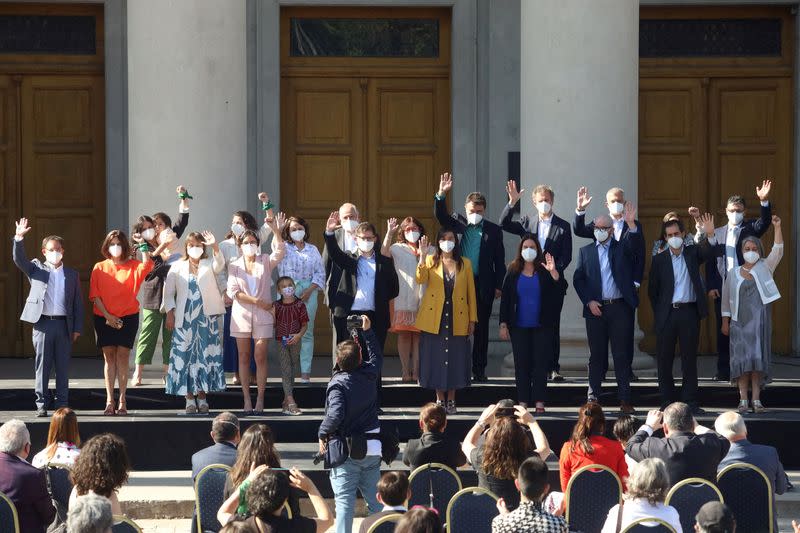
x,y
747,294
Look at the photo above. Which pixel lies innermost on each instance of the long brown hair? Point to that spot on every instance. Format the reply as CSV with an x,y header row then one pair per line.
x,y
123,242
408,221
518,263
63,428
507,446
437,254
257,447
591,421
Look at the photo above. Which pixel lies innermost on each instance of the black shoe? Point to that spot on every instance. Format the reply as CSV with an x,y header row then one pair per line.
x,y
41,412
698,411
722,377
480,378
380,411
634,377
555,377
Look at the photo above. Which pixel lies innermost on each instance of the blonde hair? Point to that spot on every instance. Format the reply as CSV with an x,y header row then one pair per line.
x,y
649,480
544,189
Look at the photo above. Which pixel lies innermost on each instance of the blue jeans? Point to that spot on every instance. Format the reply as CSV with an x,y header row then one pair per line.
x,y
354,474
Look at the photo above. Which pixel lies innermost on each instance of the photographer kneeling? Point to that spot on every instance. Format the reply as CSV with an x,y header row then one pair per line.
x,y
499,442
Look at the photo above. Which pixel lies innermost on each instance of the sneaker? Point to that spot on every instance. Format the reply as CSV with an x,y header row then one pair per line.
x,y
451,407
555,377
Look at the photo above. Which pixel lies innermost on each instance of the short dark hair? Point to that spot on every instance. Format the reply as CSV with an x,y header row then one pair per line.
x,y
123,241
49,238
248,233
348,355
476,198
736,199
284,278
239,525
532,478
625,428
393,488
285,233
419,520
366,226
669,223
163,217
225,427
678,417
267,493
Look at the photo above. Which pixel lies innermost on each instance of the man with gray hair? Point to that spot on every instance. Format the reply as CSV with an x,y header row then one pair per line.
x,y
688,449
24,485
90,513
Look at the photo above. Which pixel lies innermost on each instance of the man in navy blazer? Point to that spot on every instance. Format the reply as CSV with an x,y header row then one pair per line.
x,y
481,243
23,484
555,238
55,308
603,280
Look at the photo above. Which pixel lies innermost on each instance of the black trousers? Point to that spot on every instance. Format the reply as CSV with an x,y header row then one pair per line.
x,y
614,326
554,364
340,325
682,326
480,339
533,355
723,344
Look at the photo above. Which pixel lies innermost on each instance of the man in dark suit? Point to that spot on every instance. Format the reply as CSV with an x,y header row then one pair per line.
x,y
688,450
393,494
729,240
55,308
23,484
677,296
603,280
555,238
482,243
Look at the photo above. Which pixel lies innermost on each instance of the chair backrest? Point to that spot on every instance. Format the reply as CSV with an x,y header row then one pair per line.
x,y
9,521
650,525
433,485
209,490
385,524
60,483
748,493
471,510
124,524
286,511
595,489
689,495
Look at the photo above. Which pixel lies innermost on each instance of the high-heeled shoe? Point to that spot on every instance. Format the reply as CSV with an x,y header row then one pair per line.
x,y
110,411
121,410
743,407
758,407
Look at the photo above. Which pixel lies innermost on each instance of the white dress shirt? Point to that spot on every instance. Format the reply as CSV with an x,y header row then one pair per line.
x,y
365,285
54,296
619,223
684,290
610,289
731,236
349,241
544,230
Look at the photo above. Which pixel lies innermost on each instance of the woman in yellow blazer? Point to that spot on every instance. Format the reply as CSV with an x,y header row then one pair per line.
x,y
446,317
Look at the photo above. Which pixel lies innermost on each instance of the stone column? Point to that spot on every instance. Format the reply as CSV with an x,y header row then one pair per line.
x,y
579,118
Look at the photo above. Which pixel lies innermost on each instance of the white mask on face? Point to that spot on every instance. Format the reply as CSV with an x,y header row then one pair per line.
x,y
115,250
601,235
53,257
447,246
148,234
298,235
751,257
543,207
350,224
249,250
412,236
529,254
675,242
365,246
195,252
474,218
735,217
237,229
616,208
288,291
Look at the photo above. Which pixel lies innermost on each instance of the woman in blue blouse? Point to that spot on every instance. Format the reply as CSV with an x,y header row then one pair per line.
x,y
533,291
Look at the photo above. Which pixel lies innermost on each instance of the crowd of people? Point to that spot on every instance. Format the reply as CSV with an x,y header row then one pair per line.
x,y
506,447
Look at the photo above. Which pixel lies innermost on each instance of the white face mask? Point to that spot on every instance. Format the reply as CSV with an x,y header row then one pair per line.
x,y
412,236
148,234
195,252
543,207
365,246
675,242
288,291
447,246
115,250
529,254
249,250
616,208
53,257
237,229
298,235
350,224
751,257
735,217
474,218
601,235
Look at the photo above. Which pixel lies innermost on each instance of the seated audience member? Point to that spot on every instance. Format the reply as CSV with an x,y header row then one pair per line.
x,y
688,449
529,517
716,517
23,484
434,445
101,468
499,442
419,520
648,485
239,526
624,428
588,446
393,494
90,514
225,434
63,440
731,426
267,493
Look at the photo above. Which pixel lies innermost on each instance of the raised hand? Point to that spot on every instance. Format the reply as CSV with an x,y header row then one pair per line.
x,y
263,197
333,221
523,415
278,222
776,220
180,189
630,214
707,221
513,194
549,263
583,198
694,212
654,417
422,245
208,238
22,227
445,183
763,191
392,226
137,238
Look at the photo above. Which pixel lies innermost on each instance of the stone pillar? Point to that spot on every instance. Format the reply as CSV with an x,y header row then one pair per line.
x,y
579,118
187,81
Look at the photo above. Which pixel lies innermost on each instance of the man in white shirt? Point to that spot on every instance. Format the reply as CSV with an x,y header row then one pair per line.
x,y
345,234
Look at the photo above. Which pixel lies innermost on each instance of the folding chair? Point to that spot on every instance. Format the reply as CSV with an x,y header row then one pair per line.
x,y
123,524
209,489
748,493
385,524
9,521
688,496
433,485
649,525
471,510
595,489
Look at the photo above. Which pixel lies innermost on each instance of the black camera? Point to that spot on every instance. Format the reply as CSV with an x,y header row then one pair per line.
x,y
505,408
354,322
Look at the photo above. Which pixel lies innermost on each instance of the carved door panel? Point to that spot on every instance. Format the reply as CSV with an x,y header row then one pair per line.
x,y
11,281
